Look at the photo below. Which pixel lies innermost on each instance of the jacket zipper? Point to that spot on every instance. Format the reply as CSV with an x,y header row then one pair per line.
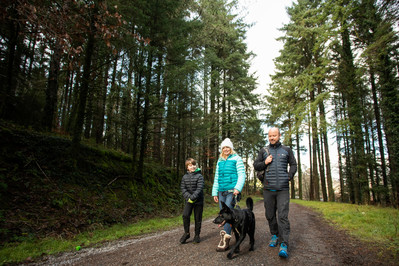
x,y
277,179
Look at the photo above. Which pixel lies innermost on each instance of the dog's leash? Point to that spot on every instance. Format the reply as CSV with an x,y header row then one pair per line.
x,y
236,205
236,200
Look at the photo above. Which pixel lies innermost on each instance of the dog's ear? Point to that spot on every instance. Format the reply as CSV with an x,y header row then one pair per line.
x,y
225,207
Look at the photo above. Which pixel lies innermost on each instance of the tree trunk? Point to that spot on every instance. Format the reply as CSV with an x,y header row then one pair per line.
x,y
52,89
109,130
377,117
146,113
84,88
321,169
324,140
351,94
298,152
213,139
340,167
315,174
371,159
224,109
348,158
137,112
390,111
99,116
66,99
9,83
89,115
161,93
311,158
205,139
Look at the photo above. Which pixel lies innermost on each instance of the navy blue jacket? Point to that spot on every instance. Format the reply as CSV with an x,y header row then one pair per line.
x,y
277,177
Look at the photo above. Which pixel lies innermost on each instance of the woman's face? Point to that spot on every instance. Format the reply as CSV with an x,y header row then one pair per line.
x,y
226,151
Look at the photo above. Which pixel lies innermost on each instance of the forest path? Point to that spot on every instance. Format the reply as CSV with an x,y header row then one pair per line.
x,y
312,242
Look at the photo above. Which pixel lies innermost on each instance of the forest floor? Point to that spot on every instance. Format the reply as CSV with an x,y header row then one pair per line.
x,y
312,242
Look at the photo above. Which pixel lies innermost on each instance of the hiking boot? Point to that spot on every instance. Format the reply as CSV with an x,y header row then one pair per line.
x,y
221,242
197,239
184,237
273,241
224,241
283,251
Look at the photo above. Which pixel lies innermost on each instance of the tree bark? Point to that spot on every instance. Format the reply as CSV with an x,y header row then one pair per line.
x,y
146,112
84,88
377,117
298,152
9,83
321,169
52,89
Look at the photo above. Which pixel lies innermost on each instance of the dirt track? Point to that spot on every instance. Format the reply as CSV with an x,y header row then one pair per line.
x,y
312,242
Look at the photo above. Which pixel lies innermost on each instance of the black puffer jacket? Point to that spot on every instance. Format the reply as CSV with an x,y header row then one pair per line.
x,y
192,185
277,177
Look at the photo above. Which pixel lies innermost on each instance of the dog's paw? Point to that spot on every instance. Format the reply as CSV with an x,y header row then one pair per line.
x,y
251,249
230,255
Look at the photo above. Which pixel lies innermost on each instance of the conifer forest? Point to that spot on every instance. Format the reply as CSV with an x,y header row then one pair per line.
x,y
164,80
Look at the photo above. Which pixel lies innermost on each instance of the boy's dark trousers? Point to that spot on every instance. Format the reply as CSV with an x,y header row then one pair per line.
x,y
188,208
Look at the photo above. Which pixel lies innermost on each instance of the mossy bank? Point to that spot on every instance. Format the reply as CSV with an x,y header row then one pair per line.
x,y
46,189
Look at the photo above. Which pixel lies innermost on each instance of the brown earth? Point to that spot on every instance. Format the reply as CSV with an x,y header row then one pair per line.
x,y
312,242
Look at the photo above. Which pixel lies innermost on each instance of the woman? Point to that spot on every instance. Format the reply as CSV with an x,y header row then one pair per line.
x,y
228,183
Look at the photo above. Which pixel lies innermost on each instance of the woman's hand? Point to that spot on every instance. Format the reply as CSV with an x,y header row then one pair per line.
x,y
215,198
236,192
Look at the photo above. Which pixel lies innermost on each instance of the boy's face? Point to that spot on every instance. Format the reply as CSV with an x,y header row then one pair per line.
x,y
191,167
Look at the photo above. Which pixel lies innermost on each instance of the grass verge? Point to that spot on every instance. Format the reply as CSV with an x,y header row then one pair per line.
x,y
18,252
373,224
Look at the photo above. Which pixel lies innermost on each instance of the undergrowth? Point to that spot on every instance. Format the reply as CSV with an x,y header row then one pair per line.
x,y
49,190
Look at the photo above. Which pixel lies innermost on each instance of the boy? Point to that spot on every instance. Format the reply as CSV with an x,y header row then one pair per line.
x,y
192,185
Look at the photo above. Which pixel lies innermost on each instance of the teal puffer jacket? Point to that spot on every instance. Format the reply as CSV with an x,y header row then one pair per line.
x,y
229,174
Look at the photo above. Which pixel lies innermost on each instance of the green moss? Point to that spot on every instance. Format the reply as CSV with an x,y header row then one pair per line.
x,y
69,190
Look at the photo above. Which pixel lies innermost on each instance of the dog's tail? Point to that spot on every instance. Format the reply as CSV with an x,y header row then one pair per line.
x,y
250,203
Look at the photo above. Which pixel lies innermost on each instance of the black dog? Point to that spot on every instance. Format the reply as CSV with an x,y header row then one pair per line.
x,y
242,221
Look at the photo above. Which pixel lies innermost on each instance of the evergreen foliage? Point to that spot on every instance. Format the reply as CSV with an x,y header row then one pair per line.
x,y
341,57
162,80
155,81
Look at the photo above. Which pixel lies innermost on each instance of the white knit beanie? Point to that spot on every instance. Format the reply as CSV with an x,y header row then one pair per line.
x,y
226,143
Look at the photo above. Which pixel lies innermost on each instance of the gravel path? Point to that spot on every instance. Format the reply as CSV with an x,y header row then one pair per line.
x,y
312,242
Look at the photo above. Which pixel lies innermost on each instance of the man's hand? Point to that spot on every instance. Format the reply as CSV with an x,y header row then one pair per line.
x,y
269,159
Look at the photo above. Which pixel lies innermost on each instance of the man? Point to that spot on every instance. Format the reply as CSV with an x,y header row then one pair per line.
x,y
274,160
